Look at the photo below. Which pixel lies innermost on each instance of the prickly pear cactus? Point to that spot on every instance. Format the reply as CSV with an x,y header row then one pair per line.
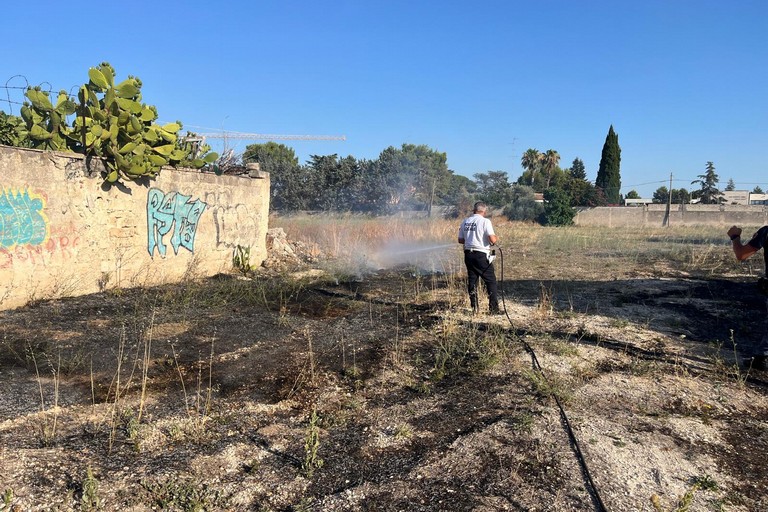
x,y
46,122
111,122
13,131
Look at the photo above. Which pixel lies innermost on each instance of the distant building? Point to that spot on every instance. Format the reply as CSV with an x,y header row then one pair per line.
x,y
758,198
637,202
735,197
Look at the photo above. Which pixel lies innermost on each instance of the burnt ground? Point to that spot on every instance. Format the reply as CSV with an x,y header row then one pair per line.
x,y
295,391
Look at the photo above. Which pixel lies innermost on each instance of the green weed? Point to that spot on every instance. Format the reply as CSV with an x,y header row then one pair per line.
x,y
702,483
523,423
469,351
7,500
241,259
403,431
551,386
90,498
184,494
311,445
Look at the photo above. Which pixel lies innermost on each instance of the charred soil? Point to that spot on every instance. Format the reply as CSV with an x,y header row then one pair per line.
x,y
296,391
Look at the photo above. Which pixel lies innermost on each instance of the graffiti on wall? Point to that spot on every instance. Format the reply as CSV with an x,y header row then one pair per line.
x,y
22,219
172,212
232,220
60,246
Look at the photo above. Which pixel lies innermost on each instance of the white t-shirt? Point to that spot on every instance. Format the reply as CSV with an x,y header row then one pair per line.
x,y
475,231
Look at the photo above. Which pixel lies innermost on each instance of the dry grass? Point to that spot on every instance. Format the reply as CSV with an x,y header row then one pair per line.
x,y
533,250
342,236
380,391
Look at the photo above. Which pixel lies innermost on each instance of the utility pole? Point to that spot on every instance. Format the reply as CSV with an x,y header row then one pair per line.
x,y
669,202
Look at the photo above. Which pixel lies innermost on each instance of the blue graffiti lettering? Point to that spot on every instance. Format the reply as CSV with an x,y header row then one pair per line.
x,y
172,211
22,220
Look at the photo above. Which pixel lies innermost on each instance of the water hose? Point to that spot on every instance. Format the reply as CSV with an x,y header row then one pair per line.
x,y
590,484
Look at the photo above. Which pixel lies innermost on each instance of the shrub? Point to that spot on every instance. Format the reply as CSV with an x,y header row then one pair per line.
x,y
523,205
557,208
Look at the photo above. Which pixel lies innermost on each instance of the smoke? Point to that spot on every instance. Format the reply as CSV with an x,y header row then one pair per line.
x,y
424,256
359,261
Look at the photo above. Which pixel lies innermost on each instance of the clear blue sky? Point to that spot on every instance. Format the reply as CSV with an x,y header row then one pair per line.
x,y
683,82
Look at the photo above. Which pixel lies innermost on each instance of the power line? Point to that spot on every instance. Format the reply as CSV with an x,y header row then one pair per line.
x,y
678,180
642,184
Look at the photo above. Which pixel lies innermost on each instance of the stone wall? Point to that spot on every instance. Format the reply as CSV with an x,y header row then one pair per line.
x,y
63,232
654,215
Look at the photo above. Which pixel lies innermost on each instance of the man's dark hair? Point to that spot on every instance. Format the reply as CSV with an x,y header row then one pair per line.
x,y
480,207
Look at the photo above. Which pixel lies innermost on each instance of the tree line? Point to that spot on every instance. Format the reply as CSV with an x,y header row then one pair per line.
x,y
417,177
707,193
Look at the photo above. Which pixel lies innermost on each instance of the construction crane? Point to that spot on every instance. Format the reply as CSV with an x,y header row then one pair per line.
x,y
200,137
228,156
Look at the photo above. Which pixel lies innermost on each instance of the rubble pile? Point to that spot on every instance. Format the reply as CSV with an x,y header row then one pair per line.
x,y
283,254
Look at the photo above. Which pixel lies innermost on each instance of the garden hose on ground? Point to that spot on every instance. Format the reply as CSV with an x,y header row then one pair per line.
x,y
591,487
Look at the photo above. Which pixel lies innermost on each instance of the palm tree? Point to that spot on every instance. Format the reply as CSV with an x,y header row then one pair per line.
x,y
549,161
531,162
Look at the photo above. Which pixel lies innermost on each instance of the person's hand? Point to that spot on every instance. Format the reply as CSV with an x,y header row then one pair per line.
x,y
734,232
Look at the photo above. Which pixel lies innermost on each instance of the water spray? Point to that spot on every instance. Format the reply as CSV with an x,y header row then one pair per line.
x,y
423,249
410,253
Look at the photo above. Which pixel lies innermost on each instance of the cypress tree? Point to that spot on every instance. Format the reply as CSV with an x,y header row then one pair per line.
x,y
608,175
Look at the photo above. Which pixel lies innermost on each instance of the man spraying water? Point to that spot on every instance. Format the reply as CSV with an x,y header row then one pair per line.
x,y
477,236
743,251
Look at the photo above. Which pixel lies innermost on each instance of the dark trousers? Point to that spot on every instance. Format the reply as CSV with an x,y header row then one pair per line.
x,y
478,267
